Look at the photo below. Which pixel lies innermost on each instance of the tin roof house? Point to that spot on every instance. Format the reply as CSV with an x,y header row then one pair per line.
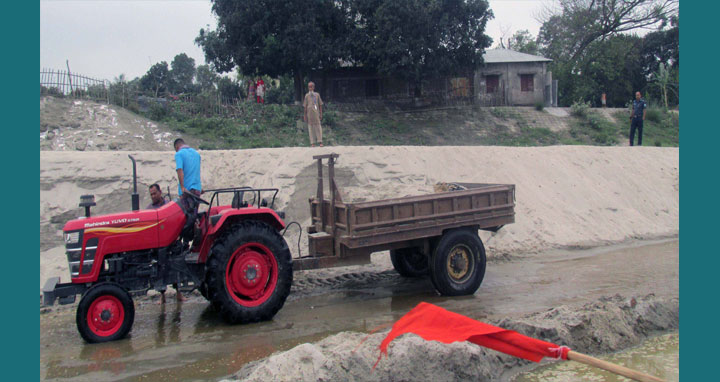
x,y
512,78
507,78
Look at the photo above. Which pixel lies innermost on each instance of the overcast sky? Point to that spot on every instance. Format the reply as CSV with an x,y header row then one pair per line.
x,y
103,39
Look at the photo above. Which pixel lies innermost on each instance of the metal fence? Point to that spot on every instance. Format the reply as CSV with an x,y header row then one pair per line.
x,y
64,83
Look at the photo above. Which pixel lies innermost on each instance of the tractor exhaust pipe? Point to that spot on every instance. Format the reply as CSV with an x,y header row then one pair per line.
x,y
135,196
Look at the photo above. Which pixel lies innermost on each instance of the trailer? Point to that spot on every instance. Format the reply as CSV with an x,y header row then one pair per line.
x,y
435,234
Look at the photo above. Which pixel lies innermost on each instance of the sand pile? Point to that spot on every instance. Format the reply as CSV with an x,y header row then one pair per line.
x,y
566,195
601,326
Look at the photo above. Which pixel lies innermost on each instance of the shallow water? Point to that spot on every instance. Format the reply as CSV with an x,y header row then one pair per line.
x,y
658,356
189,341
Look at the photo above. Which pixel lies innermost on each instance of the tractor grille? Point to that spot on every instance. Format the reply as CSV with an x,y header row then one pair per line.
x,y
90,249
73,250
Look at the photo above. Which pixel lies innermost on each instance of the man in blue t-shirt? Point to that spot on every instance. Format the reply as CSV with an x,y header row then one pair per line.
x,y
637,117
187,164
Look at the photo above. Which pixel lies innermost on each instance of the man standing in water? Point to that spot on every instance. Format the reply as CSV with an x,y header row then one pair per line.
x,y
312,105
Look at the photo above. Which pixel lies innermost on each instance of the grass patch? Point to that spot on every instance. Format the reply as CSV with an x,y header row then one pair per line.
x,y
504,113
593,129
257,125
661,127
274,125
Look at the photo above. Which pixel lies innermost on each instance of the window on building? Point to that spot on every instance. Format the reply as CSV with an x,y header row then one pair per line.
x,y
527,83
492,83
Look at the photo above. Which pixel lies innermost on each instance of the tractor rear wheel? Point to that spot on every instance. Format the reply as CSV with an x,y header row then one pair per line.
x,y
105,313
249,273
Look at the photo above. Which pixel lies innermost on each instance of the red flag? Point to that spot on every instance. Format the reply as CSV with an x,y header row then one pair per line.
x,y
434,323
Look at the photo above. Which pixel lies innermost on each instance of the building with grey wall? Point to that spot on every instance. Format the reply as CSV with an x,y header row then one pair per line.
x,y
510,78
507,78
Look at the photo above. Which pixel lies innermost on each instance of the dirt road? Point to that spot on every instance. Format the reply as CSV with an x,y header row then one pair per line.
x,y
189,342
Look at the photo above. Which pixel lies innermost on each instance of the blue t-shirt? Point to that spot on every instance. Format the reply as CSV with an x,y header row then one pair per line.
x,y
638,107
188,160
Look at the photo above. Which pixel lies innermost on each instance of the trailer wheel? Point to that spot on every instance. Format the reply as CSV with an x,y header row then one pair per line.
x,y
458,263
409,262
106,313
249,273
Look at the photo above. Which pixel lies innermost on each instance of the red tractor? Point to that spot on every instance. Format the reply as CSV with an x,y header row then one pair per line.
x,y
233,254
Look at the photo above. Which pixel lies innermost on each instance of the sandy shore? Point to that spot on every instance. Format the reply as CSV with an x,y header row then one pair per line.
x,y
566,195
602,326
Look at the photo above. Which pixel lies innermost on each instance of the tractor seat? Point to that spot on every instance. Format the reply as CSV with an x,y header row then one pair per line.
x,y
216,218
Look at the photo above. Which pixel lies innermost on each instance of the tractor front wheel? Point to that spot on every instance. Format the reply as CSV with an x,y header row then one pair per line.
x,y
249,273
105,313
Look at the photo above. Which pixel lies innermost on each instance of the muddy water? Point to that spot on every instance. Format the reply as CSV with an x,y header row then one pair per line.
x,y
659,356
189,342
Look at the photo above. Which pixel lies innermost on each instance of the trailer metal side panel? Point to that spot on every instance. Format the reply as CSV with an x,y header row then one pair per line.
x,y
358,229
407,218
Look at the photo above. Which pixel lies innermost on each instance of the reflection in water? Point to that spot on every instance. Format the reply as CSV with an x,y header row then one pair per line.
x,y
174,336
659,356
102,357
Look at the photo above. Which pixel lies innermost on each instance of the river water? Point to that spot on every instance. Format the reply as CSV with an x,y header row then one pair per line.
x,y
658,356
189,342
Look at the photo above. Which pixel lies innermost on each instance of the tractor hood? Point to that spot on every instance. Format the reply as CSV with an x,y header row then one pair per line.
x,y
133,220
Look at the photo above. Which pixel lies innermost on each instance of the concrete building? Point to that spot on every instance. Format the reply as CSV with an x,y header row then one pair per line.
x,y
512,78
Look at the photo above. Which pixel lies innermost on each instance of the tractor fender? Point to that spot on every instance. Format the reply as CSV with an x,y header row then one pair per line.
x,y
229,216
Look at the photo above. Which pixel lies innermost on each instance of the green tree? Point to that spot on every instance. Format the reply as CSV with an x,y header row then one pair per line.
x,y
277,37
523,41
119,90
578,37
182,73
613,66
418,39
206,78
662,47
228,88
579,23
157,78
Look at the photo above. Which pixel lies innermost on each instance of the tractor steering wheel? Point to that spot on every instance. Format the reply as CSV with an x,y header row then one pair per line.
x,y
197,198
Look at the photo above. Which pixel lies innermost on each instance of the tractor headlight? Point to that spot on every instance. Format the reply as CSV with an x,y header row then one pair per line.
x,y
72,237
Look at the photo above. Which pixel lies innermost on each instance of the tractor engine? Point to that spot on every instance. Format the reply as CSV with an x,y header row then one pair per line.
x,y
142,270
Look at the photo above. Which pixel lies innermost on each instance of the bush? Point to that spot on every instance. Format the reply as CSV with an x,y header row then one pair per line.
x,y
329,117
157,111
539,106
602,131
653,115
580,109
283,94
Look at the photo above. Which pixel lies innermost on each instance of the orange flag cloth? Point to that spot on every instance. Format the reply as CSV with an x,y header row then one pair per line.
x,y
434,323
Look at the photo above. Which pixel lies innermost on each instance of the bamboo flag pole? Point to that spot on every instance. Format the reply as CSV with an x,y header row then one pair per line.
x,y
611,367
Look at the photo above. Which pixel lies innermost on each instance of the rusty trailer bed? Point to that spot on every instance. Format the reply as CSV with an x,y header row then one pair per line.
x,y
347,233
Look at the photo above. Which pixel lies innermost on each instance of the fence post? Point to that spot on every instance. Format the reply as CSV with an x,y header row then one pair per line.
x,y
67,62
